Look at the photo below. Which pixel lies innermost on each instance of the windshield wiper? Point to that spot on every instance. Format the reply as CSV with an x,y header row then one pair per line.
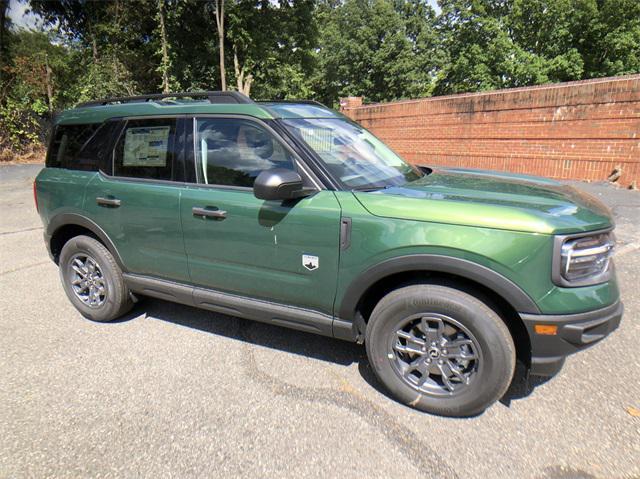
x,y
370,188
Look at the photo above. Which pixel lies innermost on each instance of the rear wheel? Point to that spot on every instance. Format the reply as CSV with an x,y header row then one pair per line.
x,y
92,280
440,350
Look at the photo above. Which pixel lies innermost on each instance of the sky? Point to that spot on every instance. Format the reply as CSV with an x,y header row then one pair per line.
x,y
19,17
17,13
434,5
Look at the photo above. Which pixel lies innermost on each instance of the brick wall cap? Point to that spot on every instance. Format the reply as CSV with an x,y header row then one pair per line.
x,y
547,86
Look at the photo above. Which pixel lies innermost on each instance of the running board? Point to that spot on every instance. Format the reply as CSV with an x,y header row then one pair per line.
x,y
243,307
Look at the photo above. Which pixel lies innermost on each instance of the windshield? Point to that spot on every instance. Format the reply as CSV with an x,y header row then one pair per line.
x,y
352,154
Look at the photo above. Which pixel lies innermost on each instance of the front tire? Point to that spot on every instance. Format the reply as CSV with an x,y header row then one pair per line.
x,y
440,350
92,280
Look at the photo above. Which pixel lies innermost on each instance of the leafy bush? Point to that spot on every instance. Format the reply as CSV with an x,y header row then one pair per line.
x,y
21,124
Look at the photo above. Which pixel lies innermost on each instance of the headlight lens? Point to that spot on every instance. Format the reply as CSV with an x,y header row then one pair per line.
x,y
586,259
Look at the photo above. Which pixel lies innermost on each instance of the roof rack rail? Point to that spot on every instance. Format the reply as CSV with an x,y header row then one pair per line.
x,y
307,102
213,97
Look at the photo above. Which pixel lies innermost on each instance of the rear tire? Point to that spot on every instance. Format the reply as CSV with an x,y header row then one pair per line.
x,y
93,280
440,350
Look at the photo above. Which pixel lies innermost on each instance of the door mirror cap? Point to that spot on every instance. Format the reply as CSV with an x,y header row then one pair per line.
x,y
279,184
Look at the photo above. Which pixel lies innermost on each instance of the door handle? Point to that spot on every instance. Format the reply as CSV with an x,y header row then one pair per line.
x,y
108,201
209,213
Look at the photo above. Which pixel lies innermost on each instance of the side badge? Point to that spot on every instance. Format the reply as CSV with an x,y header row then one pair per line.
x,y
310,262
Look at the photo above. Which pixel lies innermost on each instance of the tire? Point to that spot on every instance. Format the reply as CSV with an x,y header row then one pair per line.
x,y
92,267
407,338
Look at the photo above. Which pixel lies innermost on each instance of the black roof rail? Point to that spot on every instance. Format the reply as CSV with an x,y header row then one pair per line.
x,y
227,97
308,102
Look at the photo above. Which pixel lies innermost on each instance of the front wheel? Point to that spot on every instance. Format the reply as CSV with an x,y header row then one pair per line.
x,y
440,350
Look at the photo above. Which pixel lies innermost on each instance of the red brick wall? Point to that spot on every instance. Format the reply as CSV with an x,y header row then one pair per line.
x,y
581,130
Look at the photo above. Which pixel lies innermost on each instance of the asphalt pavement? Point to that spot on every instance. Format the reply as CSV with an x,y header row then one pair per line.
x,y
173,391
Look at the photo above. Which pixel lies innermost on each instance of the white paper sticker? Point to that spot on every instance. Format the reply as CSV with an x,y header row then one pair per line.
x,y
146,146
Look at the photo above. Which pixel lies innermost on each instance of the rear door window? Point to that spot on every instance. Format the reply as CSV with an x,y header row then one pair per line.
x,y
146,149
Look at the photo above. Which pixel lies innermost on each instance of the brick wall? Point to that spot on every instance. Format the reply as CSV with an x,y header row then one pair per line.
x,y
581,130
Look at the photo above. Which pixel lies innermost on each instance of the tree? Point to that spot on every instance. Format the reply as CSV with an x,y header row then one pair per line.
x,y
165,63
122,57
5,25
616,50
219,13
272,46
505,43
381,49
81,20
35,82
243,79
481,53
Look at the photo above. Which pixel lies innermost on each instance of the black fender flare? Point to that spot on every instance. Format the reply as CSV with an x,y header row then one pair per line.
x,y
73,219
469,270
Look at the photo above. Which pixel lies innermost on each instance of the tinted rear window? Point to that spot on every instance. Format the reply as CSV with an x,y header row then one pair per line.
x,y
79,147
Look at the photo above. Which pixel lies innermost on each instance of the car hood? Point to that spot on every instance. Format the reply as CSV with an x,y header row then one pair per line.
x,y
492,200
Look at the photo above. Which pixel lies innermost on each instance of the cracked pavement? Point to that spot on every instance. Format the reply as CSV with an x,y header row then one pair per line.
x,y
174,391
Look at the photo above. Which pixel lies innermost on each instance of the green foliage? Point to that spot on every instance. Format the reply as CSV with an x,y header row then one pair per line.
x,y
19,123
385,49
34,84
192,38
274,43
506,43
99,80
617,43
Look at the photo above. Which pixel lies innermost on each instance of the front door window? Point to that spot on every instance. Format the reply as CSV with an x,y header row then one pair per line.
x,y
233,152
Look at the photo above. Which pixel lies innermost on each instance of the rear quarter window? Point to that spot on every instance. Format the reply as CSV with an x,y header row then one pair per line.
x,y
80,147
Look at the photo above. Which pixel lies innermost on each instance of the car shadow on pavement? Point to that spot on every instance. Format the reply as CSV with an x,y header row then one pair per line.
x,y
291,341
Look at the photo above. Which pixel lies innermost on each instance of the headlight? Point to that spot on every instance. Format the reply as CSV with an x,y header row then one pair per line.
x,y
582,260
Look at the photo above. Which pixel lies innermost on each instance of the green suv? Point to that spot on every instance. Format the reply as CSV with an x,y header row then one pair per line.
x,y
292,214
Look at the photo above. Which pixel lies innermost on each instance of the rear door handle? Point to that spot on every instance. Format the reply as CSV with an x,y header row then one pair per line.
x,y
208,213
108,201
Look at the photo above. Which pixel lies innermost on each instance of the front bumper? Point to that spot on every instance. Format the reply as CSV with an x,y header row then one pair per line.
x,y
574,333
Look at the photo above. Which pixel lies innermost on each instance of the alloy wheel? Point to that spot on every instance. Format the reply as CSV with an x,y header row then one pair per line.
x,y
87,280
435,354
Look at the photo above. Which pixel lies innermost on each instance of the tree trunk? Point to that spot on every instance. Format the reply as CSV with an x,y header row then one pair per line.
x,y
94,41
116,49
94,46
165,50
220,25
4,8
47,78
243,82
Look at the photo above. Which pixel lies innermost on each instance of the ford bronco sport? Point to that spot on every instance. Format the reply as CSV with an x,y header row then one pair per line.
x,y
290,213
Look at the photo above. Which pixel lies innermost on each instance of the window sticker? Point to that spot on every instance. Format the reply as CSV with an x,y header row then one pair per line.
x,y
320,139
146,146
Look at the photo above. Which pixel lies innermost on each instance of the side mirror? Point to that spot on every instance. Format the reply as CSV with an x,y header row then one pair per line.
x,y
279,184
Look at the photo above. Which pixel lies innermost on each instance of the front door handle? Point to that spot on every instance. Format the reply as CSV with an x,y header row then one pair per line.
x,y
114,202
208,213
